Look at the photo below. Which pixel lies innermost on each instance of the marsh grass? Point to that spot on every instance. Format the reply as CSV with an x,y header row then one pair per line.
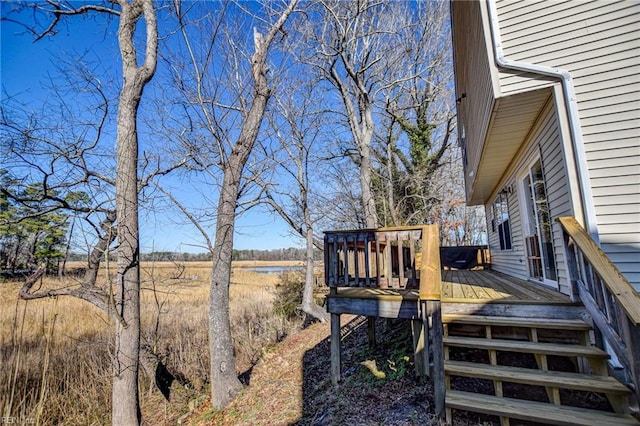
x,y
55,353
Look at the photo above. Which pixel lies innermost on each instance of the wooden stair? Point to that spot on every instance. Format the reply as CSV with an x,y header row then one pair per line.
x,y
494,342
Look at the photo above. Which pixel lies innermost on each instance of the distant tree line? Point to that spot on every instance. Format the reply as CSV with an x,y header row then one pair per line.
x,y
290,253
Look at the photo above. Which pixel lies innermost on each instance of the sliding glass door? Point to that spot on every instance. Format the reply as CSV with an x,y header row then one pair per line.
x,y
537,227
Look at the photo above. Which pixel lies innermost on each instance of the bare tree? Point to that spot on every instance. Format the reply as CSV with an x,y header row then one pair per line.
x,y
418,118
353,44
419,174
126,408
459,224
389,65
125,304
299,122
226,90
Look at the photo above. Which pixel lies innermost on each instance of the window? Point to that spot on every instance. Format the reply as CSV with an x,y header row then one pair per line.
x,y
462,143
500,222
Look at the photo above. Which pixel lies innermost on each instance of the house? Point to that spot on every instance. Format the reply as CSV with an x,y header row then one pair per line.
x,y
548,97
548,102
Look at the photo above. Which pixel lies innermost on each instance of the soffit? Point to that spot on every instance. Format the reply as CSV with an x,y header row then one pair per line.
x,y
512,120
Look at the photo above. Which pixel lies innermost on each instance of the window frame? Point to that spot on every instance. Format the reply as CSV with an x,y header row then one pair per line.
x,y
501,223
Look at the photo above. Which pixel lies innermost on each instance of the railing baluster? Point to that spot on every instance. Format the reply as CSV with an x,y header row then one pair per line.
x,y
412,256
345,258
401,283
367,264
356,260
591,279
388,260
609,306
377,254
330,263
607,296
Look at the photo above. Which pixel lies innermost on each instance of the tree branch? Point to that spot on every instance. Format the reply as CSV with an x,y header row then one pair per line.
x,y
58,12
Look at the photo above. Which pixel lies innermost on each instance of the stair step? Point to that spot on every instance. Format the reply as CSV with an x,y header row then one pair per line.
x,y
558,379
526,347
546,323
534,411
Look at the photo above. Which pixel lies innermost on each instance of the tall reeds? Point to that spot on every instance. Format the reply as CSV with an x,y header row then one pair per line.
x,y
55,353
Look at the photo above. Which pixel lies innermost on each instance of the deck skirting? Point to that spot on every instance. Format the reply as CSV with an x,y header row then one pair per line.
x,y
375,303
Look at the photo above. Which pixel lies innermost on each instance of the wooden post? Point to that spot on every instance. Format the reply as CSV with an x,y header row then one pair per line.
x,y
430,278
437,345
329,260
379,261
572,263
418,346
336,375
412,258
388,263
420,333
356,262
400,251
345,261
632,338
371,331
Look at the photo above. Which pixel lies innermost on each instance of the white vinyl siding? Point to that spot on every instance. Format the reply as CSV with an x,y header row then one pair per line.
x,y
473,79
556,181
598,42
509,262
544,140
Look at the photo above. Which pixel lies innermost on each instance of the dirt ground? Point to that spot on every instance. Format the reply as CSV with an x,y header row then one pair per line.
x,y
291,385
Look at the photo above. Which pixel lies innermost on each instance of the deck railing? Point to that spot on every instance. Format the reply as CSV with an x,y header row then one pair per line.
x,y
608,297
403,258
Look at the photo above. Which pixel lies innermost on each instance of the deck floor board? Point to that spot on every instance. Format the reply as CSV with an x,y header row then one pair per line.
x,y
461,286
490,286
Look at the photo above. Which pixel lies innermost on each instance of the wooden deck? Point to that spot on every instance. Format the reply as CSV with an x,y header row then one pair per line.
x,y
483,286
396,273
481,292
464,286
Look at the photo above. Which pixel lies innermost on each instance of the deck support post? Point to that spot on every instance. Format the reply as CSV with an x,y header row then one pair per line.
x,y
335,349
371,331
420,333
572,263
634,352
437,346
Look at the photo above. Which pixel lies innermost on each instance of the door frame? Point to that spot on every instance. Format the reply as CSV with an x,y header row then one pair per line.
x,y
523,204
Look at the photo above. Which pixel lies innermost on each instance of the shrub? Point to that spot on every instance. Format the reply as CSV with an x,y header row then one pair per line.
x,y
289,295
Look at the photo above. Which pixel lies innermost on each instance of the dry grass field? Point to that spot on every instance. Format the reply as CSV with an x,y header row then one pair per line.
x,y
55,352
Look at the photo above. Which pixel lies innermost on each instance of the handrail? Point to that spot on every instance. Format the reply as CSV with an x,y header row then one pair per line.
x,y
405,257
618,286
608,297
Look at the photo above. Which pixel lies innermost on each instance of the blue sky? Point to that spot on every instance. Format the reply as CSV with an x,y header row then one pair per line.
x,y
24,70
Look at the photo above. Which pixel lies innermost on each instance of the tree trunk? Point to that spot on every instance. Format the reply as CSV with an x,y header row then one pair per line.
x,y
364,149
224,380
126,409
125,399
309,305
391,202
